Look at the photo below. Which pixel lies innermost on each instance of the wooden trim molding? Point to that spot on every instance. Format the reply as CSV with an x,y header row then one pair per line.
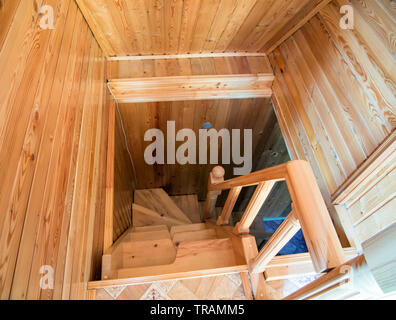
x,y
187,56
381,158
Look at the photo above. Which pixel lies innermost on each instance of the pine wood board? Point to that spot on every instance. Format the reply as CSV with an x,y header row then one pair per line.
x,y
177,27
189,205
158,201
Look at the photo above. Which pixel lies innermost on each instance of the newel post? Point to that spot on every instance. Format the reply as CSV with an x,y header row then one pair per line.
x,y
215,177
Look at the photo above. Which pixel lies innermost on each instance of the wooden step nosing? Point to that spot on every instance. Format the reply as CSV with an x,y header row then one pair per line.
x,y
92,285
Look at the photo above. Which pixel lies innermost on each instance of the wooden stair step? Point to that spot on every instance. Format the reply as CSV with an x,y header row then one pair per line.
x,y
158,200
189,205
200,257
193,259
143,217
148,253
146,236
149,228
187,228
194,236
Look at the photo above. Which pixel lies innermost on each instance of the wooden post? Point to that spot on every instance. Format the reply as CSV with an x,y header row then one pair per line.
x,y
216,176
109,206
260,195
285,232
91,295
261,290
318,229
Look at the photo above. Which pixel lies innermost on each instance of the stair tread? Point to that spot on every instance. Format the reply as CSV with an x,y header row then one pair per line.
x,y
143,217
137,254
145,236
189,205
149,228
191,236
159,201
190,257
188,228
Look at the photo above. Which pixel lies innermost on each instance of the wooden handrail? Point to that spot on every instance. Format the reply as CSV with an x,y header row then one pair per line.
x,y
278,173
309,209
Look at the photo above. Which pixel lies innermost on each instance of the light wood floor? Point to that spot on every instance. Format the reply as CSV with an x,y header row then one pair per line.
x,y
228,287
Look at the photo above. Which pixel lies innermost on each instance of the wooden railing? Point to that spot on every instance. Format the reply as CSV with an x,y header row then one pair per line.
x,y
309,213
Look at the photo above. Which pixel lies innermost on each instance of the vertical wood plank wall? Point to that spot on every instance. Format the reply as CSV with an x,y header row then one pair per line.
x,y
335,90
124,181
53,137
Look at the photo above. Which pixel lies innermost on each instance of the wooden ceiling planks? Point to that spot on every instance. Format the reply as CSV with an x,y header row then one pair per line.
x,y
155,27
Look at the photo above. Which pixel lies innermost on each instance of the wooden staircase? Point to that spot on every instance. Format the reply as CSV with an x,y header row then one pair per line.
x,y
165,244
171,240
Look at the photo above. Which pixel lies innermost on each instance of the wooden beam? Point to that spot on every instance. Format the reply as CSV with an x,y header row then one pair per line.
x,y
182,88
187,56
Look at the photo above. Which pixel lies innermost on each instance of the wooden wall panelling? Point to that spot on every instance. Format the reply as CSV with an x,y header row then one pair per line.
x,y
189,179
124,180
374,65
53,133
334,91
195,26
287,101
301,17
7,14
34,116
